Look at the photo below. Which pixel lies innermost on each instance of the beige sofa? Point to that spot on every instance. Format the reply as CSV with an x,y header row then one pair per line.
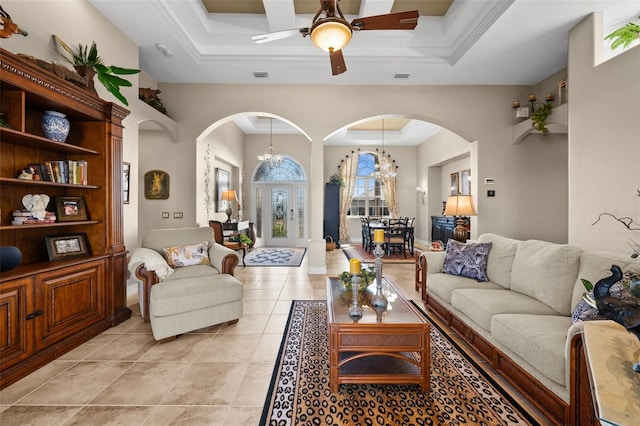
x,y
180,299
520,320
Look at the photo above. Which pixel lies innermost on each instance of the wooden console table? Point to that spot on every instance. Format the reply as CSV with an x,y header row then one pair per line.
x,y
610,352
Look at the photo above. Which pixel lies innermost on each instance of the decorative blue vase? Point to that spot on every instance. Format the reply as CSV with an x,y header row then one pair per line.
x,y
10,257
55,126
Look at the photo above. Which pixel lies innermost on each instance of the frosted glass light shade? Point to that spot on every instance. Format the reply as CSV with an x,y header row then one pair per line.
x,y
331,35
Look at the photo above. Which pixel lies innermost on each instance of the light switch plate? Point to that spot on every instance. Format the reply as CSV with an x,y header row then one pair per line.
x,y
165,215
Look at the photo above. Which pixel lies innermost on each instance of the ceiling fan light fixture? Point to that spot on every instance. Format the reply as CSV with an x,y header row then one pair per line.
x,y
331,34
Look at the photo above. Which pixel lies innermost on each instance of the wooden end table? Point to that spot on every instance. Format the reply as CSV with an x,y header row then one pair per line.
x,y
384,347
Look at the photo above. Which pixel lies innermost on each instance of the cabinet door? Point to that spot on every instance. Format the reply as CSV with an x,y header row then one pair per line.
x,y
71,298
16,330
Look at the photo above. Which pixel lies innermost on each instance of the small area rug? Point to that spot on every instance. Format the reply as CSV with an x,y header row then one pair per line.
x,y
264,256
358,252
299,393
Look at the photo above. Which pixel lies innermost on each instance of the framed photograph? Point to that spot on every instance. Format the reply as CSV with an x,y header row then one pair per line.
x,y
156,185
126,169
223,178
455,179
465,182
67,246
69,209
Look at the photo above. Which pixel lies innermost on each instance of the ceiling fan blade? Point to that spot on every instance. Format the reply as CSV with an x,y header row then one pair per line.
x,y
337,62
277,35
391,21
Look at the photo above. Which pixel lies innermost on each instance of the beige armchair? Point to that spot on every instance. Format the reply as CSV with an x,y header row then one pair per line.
x,y
196,289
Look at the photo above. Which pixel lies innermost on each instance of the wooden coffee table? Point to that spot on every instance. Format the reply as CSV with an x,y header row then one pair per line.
x,y
388,347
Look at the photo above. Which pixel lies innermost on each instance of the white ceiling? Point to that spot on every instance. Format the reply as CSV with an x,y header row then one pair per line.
x,y
501,42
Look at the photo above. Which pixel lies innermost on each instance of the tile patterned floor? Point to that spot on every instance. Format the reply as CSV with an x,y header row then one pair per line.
x,y
214,376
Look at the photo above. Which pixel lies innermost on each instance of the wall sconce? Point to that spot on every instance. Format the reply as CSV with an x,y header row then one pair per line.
x,y
422,193
526,111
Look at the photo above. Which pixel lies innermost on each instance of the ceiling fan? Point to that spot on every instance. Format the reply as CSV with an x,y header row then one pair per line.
x,y
331,31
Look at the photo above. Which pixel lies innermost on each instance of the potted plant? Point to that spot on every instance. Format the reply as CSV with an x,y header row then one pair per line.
x,y
624,35
539,118
336,179
87,63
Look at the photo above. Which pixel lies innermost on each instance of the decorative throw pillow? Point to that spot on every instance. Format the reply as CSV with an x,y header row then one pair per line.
x,y
467,260
179,256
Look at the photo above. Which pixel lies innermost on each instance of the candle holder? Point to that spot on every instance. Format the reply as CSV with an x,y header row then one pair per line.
x,y
355,311
378,300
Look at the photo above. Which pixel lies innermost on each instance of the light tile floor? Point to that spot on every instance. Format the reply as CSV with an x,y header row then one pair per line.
x,y
215,376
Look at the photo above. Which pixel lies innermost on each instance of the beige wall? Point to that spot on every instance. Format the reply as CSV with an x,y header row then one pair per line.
x,y
604,144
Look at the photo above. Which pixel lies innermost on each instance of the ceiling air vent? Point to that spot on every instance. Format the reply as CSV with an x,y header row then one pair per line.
x,y
401,76
261,74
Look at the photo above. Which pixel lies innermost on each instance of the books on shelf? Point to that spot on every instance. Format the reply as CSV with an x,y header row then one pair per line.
x,y
24,217
64,171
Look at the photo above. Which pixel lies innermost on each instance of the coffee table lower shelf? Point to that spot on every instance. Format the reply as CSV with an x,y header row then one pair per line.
x,y
362,368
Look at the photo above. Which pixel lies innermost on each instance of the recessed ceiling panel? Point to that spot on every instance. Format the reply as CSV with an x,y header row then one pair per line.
x,y
391,124
424,7
226,6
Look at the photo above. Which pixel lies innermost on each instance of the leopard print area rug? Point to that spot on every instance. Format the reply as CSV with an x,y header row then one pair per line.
x,y
300,394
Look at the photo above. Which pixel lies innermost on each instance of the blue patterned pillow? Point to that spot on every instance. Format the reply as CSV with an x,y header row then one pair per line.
x,y
467,260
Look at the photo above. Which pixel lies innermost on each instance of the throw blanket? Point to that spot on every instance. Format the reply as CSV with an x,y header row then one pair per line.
x,y
152,260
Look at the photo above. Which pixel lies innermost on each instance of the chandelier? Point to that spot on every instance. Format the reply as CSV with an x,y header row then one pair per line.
x,y
385,169
269,159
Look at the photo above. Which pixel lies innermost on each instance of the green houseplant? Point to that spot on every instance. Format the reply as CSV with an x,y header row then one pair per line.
x,y
624,35
87,63
539,118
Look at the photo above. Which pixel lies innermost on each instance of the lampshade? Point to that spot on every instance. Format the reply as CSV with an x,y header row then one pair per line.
x,y
229,195
460,205
331,35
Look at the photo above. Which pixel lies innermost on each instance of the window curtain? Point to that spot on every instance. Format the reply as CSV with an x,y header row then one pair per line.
x,y
390,191
348,173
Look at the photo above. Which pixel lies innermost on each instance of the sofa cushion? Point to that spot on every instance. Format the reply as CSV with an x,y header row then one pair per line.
x,y
595,265
170,298
467,260
187,255
538,339
192,272
501,256
443,285
547,272
481,305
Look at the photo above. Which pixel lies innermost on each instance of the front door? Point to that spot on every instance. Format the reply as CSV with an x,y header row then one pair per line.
x,y
279,220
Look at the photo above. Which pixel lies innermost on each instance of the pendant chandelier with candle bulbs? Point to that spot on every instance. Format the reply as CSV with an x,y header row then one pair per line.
x,y
270,159
386,168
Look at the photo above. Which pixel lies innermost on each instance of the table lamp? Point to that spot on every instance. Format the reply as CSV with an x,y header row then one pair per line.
x,y
459,206
229,196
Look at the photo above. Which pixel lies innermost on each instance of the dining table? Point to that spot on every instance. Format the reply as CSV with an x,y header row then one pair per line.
x,y
386,226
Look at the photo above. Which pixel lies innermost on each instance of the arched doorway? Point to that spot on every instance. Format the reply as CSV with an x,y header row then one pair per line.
x,y
279,197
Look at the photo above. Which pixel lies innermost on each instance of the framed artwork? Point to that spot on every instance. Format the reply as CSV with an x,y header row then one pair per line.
x,y
66,246
126,169
156,185
562,92
223,178
70,209
465,182
455,188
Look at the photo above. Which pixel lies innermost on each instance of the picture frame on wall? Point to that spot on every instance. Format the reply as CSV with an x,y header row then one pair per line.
x,y
67,246
223,181
562,92
156,185
465,182
70,209
455,183
126,171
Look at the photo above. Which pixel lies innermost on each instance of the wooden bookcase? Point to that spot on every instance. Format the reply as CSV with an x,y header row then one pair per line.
x,y
49,307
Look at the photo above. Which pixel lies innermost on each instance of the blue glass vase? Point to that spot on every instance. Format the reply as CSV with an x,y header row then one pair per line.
x,y
55,126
